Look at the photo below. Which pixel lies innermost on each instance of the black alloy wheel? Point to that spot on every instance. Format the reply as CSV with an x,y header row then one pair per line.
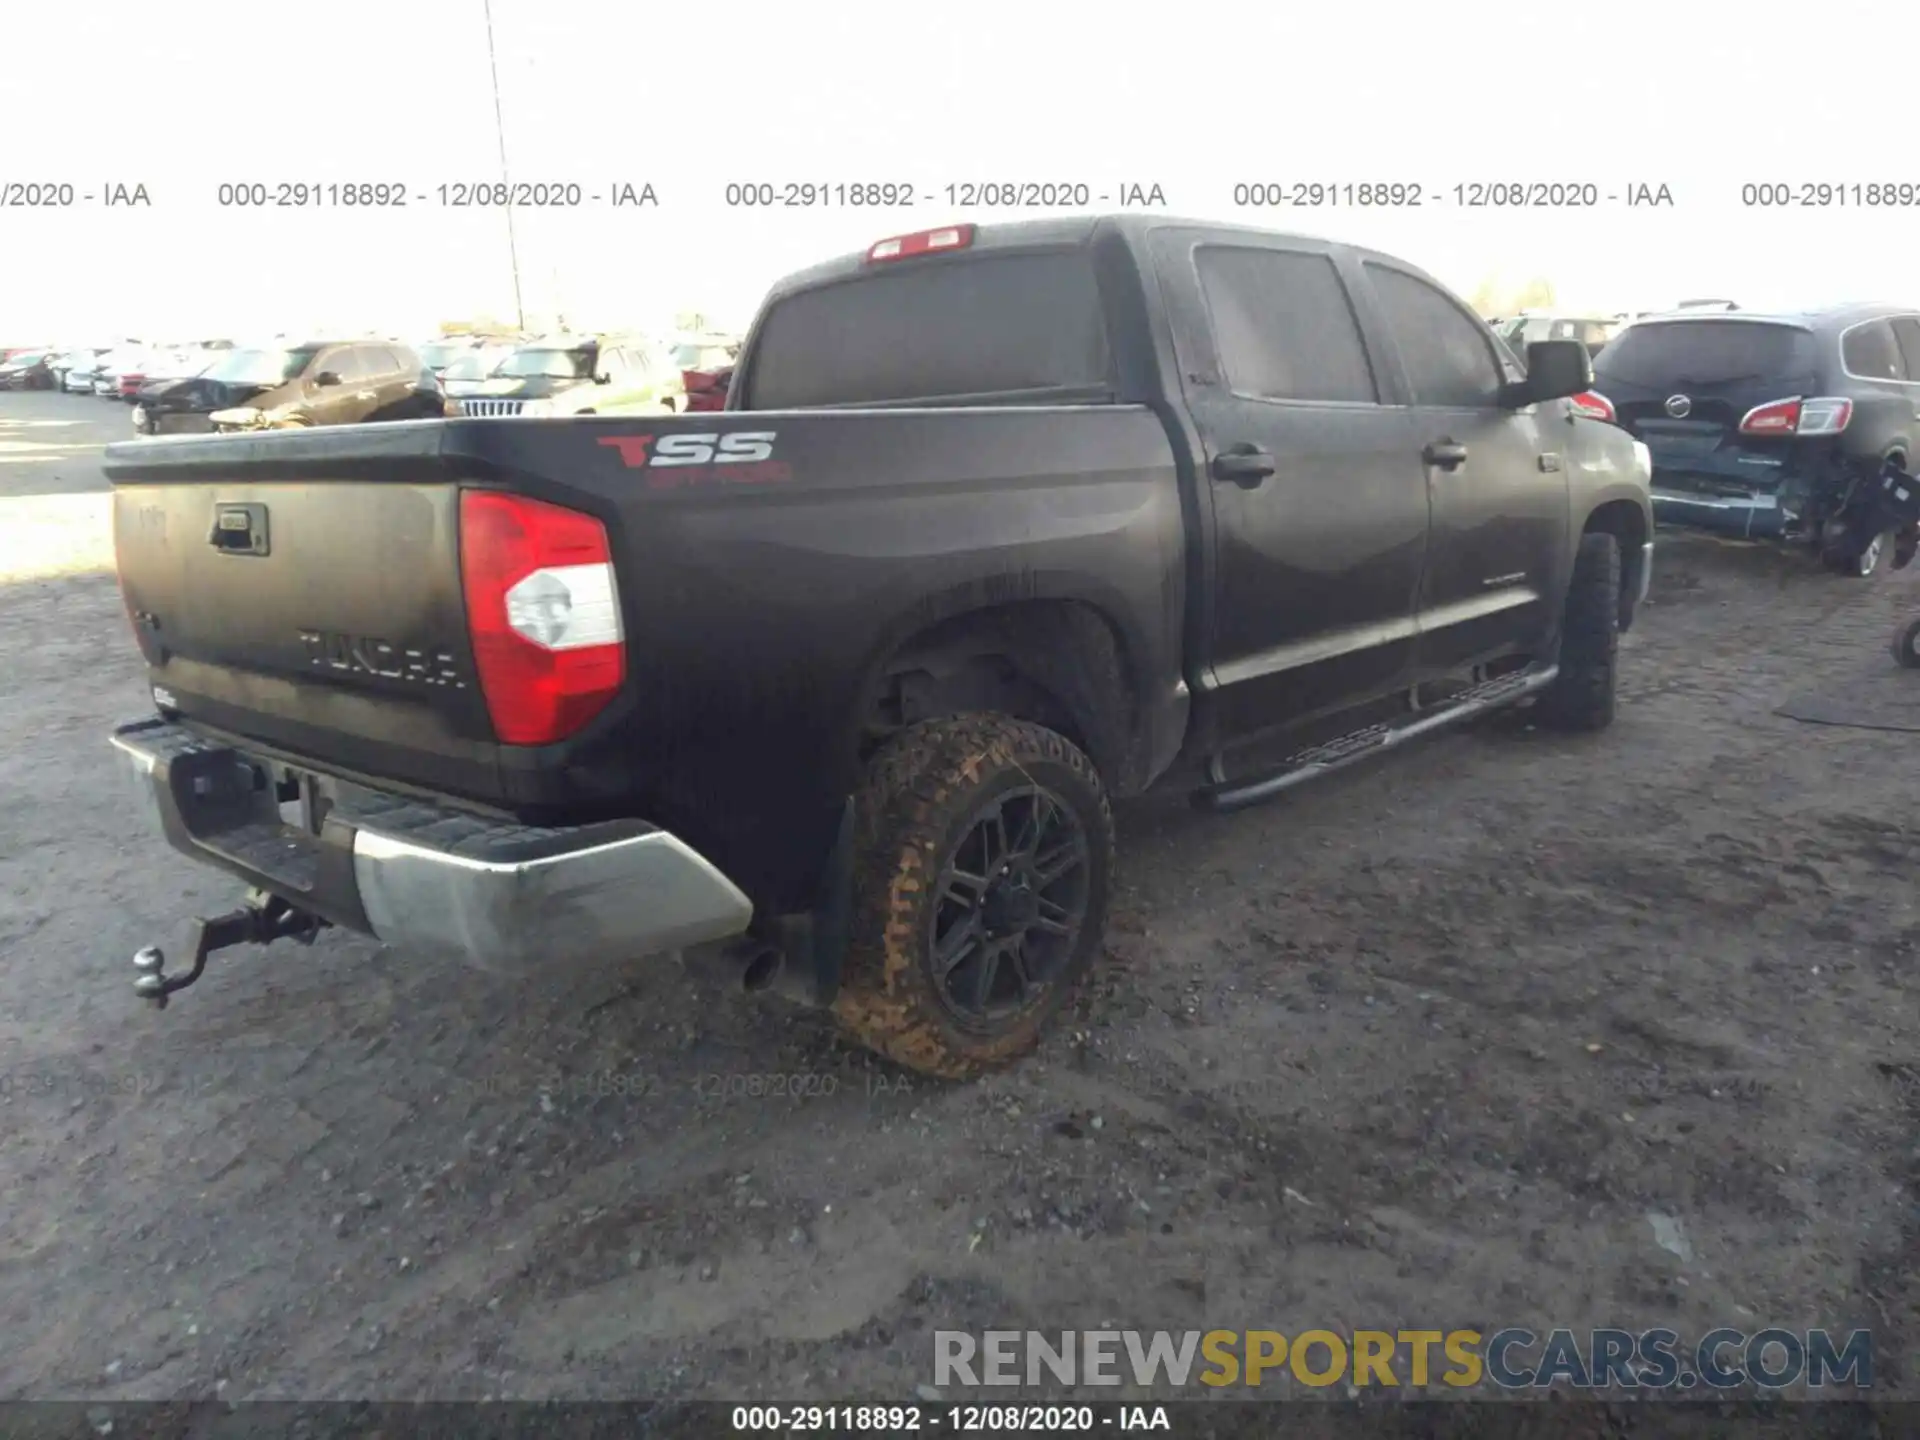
x,y
1012,902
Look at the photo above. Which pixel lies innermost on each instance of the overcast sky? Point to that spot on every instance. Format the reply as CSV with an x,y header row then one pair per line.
x,y
1194,97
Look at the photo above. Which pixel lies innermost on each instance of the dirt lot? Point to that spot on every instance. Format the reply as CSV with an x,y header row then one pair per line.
x,y
1423,1046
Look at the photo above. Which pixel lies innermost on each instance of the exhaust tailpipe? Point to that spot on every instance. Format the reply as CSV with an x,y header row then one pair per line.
x,y
752,966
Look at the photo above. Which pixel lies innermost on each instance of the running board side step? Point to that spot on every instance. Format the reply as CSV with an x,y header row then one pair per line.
x,y
1346,750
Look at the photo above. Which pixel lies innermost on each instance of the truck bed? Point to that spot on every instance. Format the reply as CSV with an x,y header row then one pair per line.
x,y
766,563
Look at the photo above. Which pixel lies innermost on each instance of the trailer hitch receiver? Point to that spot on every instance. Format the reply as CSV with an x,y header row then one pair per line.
x,y
263,919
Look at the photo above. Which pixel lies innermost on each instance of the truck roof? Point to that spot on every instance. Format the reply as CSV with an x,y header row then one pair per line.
x,y
1063,231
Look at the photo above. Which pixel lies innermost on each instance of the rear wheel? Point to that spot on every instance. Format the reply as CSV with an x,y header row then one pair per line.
x,y
1859,561
1906,645
983,868
1581,695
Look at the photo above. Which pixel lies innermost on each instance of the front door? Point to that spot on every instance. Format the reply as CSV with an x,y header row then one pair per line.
x,y
1319,506
1497,478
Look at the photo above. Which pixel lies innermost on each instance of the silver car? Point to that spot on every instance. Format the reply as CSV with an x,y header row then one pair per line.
x,y
79,379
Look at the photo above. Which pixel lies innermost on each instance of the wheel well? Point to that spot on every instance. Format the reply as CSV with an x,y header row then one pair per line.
x,y
1624,521
1057,663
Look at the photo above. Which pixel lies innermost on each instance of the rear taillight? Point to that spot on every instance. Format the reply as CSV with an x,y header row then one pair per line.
x,y
1593,405
1822,415
923,242
1777,417
543,614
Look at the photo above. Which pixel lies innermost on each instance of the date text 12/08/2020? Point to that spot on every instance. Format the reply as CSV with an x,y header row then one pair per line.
x,y
957,1419
958,195
441,195
1377,194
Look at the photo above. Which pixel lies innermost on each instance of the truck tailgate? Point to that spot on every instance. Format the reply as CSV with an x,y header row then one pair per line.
x,y
304,592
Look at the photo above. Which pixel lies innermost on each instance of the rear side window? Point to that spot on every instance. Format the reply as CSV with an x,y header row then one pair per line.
x,y
1869,351
1706,352
1449,358
1284,326
936,330
1906,334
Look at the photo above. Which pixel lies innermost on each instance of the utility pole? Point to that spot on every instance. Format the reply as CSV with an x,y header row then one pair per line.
x,y
500,132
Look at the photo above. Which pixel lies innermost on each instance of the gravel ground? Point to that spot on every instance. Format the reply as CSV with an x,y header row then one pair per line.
x,y
1425,1045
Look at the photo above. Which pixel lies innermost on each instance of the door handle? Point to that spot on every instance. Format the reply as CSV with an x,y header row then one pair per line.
x,y
1247,466
1445,454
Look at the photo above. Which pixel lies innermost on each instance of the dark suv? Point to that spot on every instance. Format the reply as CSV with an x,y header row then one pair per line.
x,y
1773,426
282,387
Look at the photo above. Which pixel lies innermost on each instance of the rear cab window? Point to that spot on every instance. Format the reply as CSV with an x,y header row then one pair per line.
x,y
976,327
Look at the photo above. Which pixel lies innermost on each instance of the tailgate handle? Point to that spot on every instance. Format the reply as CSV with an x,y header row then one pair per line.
x,y
239,529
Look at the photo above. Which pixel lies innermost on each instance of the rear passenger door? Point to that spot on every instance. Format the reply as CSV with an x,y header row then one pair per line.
x,y
1870,352
1496,478
1319,509
396,383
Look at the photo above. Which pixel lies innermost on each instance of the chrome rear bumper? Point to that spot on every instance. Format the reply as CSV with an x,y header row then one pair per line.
x,y
426,878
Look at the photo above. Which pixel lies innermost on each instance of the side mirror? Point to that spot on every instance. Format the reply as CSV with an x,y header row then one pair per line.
x,y
327,377
1555,370
603,378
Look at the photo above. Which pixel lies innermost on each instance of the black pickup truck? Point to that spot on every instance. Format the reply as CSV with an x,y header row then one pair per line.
x,y
833,687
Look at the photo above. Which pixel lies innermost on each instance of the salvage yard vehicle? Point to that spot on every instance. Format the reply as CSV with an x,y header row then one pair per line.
x,y
834,688
578,375
28,370
706,369
1774,426
123,361
84,370
470,370
439,354
318,382
1593,331
65,362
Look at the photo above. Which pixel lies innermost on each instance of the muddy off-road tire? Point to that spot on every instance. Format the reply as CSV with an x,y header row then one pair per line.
x,y
985,843
1581,696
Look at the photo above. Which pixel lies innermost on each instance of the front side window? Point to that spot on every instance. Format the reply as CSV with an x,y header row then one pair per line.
x,y
260,367
1450,361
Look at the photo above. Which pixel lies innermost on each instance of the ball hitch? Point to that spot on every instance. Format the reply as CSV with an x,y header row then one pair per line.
x,y
263,919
